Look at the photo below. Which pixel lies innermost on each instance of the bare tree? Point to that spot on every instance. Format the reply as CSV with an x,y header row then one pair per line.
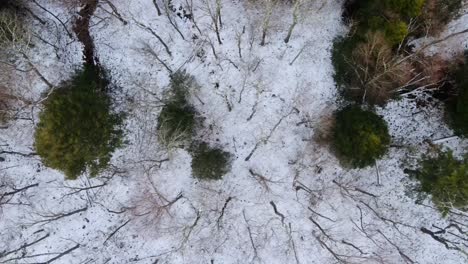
x,y
114,12
155,2
189,5
150,30
218,12
13,35
295,18
10,194
148,50
270,134
151,207
214,12
73,2
270,4
15,39
239,41
379,74
47,218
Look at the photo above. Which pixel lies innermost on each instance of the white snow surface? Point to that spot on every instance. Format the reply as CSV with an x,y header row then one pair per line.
x,y
454,45
323,209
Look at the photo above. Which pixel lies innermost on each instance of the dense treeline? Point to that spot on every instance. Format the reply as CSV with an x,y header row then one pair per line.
x,y
373,64
78,130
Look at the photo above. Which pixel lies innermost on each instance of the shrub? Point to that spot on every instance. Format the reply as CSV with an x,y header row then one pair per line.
x,y
396,32
177,119
77,130
181,84
176,123
360,137
446,179
458,106
209,163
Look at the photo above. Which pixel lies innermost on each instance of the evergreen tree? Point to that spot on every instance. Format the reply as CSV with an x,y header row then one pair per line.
x,y
458,106
360,136
446,179
77,130
209,163
177,120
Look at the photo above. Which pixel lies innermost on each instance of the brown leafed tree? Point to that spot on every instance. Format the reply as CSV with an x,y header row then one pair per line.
x,y
379,74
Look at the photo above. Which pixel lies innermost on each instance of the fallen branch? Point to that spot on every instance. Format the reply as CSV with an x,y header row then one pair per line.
x,y
335,255
19,153
328,218
66,252
267,138
55,16
319,227
55,217
222,211
150,30
347,189
353,246
4,254
116,13
275,209
15,190
116,230
250,236
440,239
403,255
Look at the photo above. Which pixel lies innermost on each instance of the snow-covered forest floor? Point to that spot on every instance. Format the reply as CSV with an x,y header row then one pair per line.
x,y
286,198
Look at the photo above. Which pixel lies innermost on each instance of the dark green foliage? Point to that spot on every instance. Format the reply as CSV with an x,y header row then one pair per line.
x,y
388,9
177,123
365,9
209,163
181,83
341,54
446,179
360,137
408,8
458,106
77,130
177,119
396,32
390,17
